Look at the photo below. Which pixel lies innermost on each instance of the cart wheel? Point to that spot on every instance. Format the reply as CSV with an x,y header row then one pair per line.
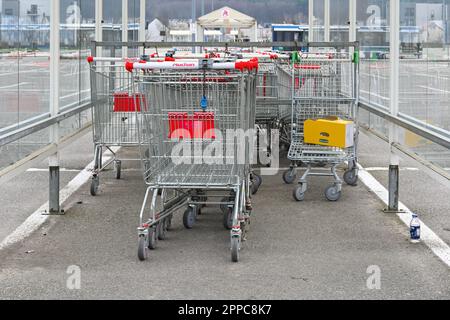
x,y
235,247
152,238
299,195
256,183
118,168
228,219
332,193
142,248
94,185
162,229
189,218
351,178
289,176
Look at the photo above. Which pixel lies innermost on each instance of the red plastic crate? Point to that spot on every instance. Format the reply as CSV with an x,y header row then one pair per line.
x,y
123,102
205,121
198,126
179,125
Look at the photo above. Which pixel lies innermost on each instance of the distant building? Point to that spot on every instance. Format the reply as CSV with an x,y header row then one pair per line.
x,y
180,30
156,31
10,7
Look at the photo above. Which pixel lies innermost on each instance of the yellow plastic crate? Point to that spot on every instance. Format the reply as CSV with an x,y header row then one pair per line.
x,y
331,131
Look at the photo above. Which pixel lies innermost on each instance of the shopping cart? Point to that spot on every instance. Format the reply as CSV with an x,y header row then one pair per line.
x,y
191,107
268,109
113,112
284,84
323,85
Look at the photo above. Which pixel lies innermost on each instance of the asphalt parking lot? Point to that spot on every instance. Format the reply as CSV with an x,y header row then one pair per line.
x,y
310,250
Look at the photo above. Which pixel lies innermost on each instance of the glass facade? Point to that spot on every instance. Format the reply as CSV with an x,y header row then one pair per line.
x,y
25,78
24,63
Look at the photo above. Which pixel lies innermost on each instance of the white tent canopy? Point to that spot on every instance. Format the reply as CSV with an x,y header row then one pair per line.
x,y
227,18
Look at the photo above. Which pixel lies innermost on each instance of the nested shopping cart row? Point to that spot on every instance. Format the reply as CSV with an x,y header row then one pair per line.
x,y
325,88
176,111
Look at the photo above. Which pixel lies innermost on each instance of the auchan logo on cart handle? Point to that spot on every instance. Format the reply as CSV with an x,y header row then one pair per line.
x,y
184,65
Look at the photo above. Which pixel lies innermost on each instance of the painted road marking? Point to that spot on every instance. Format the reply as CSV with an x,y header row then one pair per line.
x,y
33,222
387,169
432,240
434,89
15,85
46,170
375,95
74,94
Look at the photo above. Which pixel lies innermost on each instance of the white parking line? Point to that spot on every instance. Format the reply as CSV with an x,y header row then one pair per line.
x,y
433,76
375,95
14,85
74,94
46,170
387,169
434,89
432,240
33,222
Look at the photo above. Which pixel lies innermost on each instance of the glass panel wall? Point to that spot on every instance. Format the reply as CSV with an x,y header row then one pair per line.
x,y
24,67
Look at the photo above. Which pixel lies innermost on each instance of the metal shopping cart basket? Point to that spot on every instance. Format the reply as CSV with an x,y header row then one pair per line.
x,y
113,112
191,108
323,85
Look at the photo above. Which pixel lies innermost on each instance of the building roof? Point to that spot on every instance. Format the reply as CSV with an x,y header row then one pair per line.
x,y
226,17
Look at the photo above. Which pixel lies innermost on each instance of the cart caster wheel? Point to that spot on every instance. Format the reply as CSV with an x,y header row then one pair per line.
x,y
289,176
298,194
142,248
256,183
152,238
235,248
118,168
94,185
228,219
351,178
169,222
162,229
332,193
189,218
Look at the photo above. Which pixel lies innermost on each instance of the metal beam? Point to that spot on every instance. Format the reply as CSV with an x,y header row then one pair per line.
x,y
40,155
394,60
435,172
294,44
124,27
327,21
98,25
142,23
352,21
55,56
311,37
423,132
40,125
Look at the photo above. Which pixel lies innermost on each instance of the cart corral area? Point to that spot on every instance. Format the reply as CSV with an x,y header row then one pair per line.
x,y
310,250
